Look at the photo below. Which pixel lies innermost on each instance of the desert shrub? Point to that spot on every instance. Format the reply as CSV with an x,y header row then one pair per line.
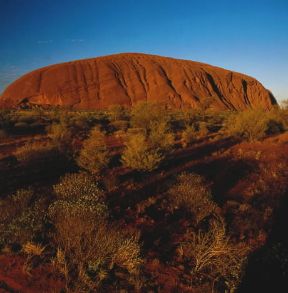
x,y
78,194
85,207
61,136
93,252
13,204
160,137
94,155
22,217
139,155
75,186
213,256
192,194
192,117
254,124
146,146
91,249
27,226
36,150
144,115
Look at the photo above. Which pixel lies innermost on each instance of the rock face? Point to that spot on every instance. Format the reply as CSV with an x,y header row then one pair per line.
x,y
128,78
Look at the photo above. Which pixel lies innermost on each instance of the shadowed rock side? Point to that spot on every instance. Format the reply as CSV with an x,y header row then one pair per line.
x,y
127,78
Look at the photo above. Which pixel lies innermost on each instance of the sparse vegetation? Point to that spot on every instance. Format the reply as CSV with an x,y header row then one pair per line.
x,y
98,225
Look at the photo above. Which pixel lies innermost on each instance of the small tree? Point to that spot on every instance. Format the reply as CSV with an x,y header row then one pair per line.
x,y
93,156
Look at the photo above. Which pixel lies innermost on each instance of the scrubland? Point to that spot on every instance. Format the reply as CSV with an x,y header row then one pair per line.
x,y
146,199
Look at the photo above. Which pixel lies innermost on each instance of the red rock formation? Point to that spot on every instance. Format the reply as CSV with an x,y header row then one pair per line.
x,y
127,78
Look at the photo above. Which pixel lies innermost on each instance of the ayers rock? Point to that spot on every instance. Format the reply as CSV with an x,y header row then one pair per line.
x,y
128,78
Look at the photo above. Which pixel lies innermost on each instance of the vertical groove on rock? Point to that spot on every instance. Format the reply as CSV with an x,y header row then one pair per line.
x,y
144,75
212,82
245,95
169,81
141,80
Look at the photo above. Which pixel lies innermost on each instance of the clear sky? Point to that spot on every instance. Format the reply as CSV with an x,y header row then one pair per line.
x,y
246,36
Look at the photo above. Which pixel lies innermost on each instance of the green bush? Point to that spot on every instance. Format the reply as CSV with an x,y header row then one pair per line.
x,y
94,155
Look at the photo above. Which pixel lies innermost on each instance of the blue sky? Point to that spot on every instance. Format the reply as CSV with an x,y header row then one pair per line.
x,y
245,36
